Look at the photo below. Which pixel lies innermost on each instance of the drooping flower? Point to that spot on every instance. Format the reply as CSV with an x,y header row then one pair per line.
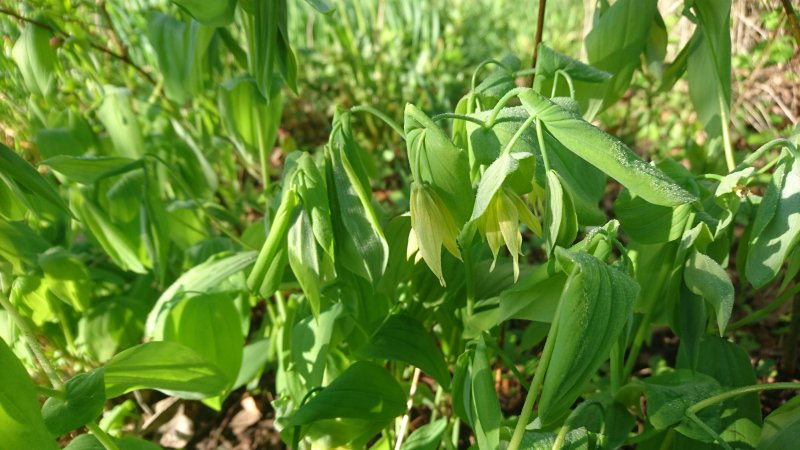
x,y
499,225
432,226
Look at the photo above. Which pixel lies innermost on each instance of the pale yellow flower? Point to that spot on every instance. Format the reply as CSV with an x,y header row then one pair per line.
x,y
432,226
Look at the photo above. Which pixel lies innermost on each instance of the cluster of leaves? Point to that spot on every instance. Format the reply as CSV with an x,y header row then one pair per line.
x,y
129,252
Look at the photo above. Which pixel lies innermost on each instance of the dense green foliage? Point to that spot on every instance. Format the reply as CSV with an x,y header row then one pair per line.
x,y
361,212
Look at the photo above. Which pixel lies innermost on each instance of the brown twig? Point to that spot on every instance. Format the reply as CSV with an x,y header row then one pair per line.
x,y
121,57
787,6
538,39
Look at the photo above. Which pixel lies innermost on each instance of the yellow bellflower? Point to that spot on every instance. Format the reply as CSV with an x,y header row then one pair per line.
x,y
500,225
432,226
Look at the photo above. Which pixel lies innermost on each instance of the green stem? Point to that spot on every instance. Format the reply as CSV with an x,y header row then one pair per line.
x,y
102,436
522,129
566,76
765,311
542,149
533,393
478,69
31,341
561,437
702,404
388,120
709,431
470,281
502,103
443,116
263,152
726,135
617,370
752,157
50,392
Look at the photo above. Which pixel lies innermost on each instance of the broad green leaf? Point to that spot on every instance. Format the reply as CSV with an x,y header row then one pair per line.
x,y
112,324
549,62
605,152
594,306
201,278
312,190
577,439
90,442
772,242
117,244
214,13
19,172
84,397
30,296
403,338
485,406
90,169
304,260
322,6
362,246
21,423
67,278
616,42
709,65
426,437
707,278
180,47
436,162
36,58
670,394
656,48
730,365
250,120
209,324
254,357
648,223
560,220
20,245
782,427
168,367
268,48
310,344
364,391
121,123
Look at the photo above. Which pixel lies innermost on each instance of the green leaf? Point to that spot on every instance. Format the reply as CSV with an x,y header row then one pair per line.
x,y
30,297
118,245
261,278
180,48
709,64
577,439
312,190
772,242
656,48
549,62
363,391
605,152
36,58
426,437
648,223
168,367
706,277
27,179
782,427
362,246
21,423
209,324
214,13
304,260
403,338
20,245
67,278
250,120
201,278
112,324
535,296
121,123
616,42
268,47
90,169
310,344
594,306
485,406
670,394
436,162
560,220
90,442
321,5
493,178
84,397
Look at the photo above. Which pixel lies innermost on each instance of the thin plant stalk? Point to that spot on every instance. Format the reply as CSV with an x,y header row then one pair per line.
x,y
404,421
